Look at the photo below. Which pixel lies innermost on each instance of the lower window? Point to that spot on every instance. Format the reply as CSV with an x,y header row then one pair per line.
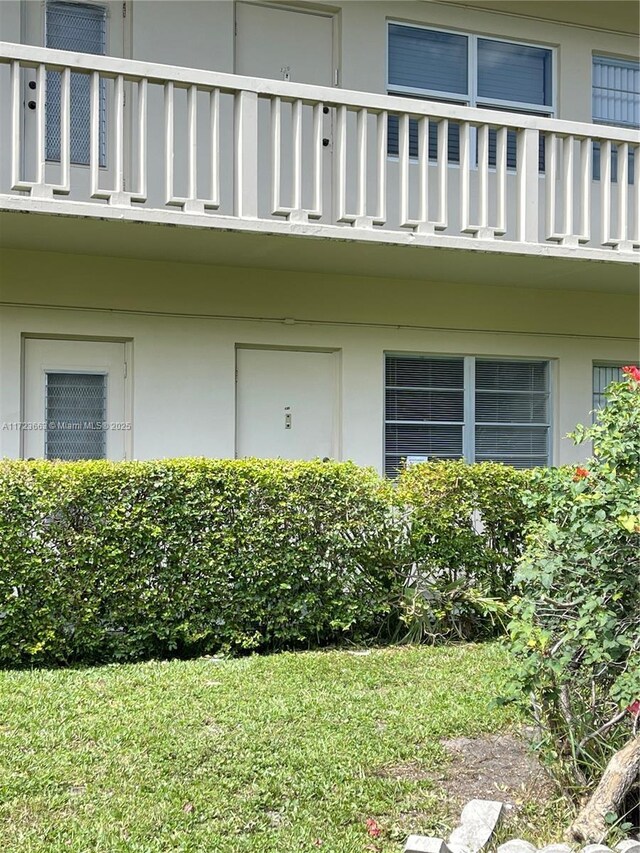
x,y
604,375
463,407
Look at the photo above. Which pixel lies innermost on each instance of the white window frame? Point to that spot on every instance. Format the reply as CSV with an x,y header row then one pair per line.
x,y
469,398
472,99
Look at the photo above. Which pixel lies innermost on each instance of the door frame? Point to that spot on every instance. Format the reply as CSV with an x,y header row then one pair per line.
x,y
337,366
100,339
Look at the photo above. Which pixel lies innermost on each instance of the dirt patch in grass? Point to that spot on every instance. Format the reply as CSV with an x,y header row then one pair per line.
x,y
491,767
494,767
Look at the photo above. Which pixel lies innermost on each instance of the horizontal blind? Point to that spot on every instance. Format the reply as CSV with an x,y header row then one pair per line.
x,y
428,59
81,28
512,412
514,72
75,410
603,376
616,91
424,409
453,139
505,71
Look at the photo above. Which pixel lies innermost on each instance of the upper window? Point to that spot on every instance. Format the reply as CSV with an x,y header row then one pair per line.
x,y
616,100
463,407
616,91
469,69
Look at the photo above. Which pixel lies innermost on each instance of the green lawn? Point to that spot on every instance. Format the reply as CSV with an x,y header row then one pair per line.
x,y
273,754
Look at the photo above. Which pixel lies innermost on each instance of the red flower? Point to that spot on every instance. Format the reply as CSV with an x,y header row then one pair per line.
x,y
634,708
372,828
632,372
580,474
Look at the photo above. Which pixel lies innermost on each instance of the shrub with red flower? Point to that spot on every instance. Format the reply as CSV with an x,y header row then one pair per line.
x,y
632,372
580,473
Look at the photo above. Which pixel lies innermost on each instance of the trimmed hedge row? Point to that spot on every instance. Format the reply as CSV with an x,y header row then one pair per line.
x,y
105,561
109,561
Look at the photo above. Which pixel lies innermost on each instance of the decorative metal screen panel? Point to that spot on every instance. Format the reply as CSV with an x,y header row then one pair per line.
x,y
83,29
75,412
604,375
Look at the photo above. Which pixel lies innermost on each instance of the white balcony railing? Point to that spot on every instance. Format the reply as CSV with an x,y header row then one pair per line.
x,y
221,150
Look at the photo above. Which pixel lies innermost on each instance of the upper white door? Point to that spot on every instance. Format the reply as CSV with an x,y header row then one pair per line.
x,y
297,46
287,404
74,400
97,27
284,44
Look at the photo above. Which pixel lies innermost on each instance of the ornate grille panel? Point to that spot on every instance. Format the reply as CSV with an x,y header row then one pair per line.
x,y
80,28
75,412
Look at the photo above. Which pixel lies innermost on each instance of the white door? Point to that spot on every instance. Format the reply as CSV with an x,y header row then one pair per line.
x,y
284,44
74,400
294,45
96,26
287,404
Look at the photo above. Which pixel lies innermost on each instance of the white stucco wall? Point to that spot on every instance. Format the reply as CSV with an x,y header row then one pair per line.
x,y
183,367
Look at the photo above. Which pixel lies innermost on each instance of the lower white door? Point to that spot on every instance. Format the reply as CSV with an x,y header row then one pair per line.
x,y
287,403
74,400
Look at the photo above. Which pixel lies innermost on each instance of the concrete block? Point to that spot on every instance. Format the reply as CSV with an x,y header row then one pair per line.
x,y
478,820
425,844
555,848
628,846
517,845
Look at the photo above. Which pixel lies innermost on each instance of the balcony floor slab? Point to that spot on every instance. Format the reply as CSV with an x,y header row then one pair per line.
x,y
68,227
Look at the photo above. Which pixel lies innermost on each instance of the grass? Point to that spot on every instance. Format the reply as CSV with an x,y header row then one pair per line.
x,y
273,754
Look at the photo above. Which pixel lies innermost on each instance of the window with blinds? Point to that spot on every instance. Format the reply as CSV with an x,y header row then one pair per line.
x,y
466,408
469,70
615,94
603,376
81,28
424,409
512,412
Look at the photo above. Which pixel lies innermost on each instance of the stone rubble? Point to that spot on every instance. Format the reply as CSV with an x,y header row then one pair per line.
x,y
478,821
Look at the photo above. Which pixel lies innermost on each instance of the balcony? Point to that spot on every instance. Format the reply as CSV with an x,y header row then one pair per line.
x,y
131,141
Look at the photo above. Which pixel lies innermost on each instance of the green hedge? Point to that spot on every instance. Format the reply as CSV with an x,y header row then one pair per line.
x,y
105,561
468,526
112,561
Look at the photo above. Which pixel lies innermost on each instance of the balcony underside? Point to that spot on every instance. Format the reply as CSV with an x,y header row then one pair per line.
x,y
33,225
